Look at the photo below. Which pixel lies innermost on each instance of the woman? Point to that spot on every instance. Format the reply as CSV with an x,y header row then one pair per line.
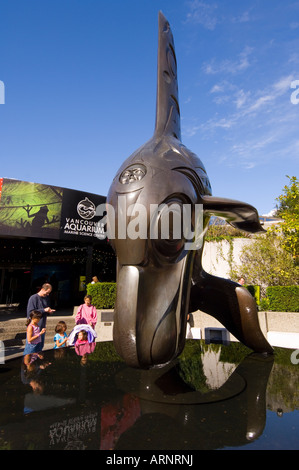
x,y
87,313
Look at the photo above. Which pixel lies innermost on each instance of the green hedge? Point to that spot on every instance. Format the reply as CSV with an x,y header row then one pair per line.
x,y
279,298
255,291
283,298
103,294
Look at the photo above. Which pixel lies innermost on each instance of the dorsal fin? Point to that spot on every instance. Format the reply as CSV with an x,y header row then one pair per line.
x,y
167,110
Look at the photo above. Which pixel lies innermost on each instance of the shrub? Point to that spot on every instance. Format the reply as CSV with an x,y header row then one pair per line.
x,y
103,294
255,291
264,304
283,298
264,262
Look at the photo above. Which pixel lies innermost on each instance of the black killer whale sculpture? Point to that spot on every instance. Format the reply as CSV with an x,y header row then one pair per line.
x,y
159,281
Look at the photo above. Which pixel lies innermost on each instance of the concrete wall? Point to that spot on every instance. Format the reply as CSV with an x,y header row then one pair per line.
x,y
280,328
216,256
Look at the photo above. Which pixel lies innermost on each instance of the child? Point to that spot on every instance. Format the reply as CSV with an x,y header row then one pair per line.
x,y
83,347
87,313
82,337
73,336
33,336
61,337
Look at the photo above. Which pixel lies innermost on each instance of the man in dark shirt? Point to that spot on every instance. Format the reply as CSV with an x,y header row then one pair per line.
x,y
40,302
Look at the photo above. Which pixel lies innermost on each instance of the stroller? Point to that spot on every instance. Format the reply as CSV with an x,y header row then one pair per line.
x,y
85,347
91,334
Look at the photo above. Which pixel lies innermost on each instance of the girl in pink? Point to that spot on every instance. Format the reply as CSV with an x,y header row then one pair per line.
x,y
87,313
33,336
83,347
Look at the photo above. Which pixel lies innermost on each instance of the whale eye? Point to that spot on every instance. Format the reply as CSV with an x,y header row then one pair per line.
x,y
170,248
167,230
132,174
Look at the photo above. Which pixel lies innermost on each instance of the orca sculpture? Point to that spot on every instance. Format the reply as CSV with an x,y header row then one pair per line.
x,y
160,280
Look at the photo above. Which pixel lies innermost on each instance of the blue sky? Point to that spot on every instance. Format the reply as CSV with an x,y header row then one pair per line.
x,y
80,90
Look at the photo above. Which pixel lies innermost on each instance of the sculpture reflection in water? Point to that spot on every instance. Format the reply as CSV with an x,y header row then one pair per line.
x,y
232,415
107,405
161,280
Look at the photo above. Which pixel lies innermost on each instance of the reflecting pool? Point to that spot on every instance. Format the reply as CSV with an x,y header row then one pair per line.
x,y
212,397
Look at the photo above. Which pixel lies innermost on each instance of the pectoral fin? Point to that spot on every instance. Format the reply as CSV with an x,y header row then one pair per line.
x,y
238,214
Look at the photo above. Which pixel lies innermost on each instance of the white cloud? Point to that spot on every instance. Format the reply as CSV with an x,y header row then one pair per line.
x,y
250,102
243,18
190,131
217,89
292,149
260,128
187,100
294,58
270,213
260,102
271,94
229,66
228,92
208,15
202,13
241,98
283,85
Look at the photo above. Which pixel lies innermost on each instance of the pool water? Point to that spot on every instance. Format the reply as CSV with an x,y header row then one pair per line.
x,y
212,397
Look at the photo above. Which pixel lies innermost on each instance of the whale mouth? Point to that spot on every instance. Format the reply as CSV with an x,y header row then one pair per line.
x,y
150,313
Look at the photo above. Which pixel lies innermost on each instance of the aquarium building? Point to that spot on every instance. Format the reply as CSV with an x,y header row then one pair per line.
x,y
50,234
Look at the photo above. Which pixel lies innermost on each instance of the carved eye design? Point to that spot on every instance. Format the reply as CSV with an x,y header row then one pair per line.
x,y
167,227
132,174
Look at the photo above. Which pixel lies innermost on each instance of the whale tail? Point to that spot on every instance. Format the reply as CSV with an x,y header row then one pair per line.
x,y
167,108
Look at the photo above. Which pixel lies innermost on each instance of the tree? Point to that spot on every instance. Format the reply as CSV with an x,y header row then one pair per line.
x,y
265,262
288,211
273,258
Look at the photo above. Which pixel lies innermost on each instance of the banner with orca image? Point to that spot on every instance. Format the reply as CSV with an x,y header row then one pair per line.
x,y
48,212
30,209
